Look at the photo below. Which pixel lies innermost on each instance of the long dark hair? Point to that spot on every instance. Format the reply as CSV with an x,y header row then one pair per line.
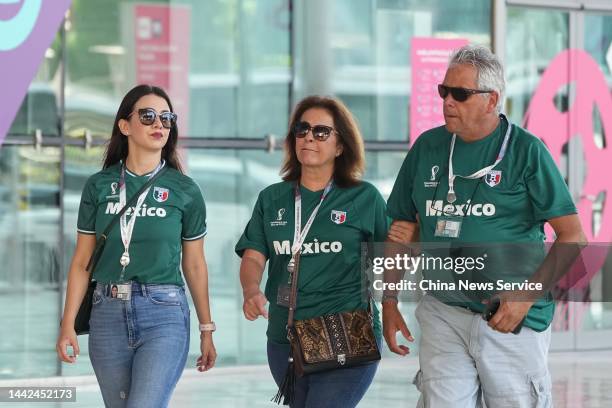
x,y
349,166
117,148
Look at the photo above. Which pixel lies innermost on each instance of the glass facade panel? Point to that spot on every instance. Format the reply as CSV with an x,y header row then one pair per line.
x,y
597,315
30,249
30,258
359,50
534,38
40,108
235,60
230,182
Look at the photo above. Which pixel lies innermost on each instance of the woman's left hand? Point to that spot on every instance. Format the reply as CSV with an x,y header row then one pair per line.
x,y
209,355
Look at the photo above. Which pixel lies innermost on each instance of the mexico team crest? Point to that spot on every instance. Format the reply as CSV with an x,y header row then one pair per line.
x,y
338,216
493,178
160,194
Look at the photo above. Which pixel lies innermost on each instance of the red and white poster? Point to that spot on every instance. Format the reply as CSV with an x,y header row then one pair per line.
x,y
161,45
429,62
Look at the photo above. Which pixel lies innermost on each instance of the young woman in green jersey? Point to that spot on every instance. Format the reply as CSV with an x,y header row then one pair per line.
x,y
325,158
139,326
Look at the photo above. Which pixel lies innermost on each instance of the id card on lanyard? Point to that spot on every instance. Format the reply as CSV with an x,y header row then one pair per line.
x,y
124,289
299,235
448,226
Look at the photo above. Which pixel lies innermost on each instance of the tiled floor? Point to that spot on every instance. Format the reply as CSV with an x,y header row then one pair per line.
x,y
580,380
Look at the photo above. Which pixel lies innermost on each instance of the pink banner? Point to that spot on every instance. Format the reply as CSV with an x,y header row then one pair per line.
x,y
429,63
162,41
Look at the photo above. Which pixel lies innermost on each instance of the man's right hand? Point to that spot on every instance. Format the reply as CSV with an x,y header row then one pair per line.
x,y
392,323
254,305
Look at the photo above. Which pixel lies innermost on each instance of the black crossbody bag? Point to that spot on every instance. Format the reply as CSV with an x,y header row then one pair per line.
x,y
81,321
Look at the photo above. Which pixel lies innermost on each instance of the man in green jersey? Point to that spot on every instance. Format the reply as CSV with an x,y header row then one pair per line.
x,y
480,179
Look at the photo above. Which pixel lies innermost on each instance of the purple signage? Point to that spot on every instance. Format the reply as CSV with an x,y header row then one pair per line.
x,y
27,28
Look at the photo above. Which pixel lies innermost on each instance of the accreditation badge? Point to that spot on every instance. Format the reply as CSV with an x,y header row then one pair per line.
x,y
448,227
121,291
282,296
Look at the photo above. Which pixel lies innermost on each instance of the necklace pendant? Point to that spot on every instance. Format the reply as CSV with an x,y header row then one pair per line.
x,y
451,197
291,266
125,259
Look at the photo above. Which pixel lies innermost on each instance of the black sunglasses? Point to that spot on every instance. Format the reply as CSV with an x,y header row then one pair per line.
x,y
319,132
458,94
147,117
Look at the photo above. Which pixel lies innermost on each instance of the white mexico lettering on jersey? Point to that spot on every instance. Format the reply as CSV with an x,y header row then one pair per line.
x,y
144,211
438,208
314,247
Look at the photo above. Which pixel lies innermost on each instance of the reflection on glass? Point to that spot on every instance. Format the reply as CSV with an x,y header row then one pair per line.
x,y
235,60
230,182
40,107
359,50
598,43
79,165
598,40
534,37
30,259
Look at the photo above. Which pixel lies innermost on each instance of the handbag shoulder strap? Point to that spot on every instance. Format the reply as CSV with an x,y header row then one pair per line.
x,y
293,293
116,218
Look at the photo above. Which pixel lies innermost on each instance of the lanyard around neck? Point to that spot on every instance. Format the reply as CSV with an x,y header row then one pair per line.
x,y
127,227
299,235
451,197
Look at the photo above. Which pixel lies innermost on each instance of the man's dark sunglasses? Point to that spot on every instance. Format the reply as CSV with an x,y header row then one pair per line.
x,y
147,117
319,132
458,94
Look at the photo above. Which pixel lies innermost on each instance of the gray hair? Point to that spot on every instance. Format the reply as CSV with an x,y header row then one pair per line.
x,y
489,70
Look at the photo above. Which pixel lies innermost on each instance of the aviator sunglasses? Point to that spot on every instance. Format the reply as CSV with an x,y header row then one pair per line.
x,y
319,132
147,117
458,94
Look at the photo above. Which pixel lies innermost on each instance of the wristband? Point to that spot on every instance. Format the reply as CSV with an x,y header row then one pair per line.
x,y
389,297
210,327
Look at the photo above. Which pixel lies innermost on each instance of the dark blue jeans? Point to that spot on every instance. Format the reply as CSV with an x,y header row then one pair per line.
x,y
340,388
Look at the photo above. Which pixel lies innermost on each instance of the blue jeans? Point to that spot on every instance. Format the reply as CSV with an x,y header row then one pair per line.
x,y
138,348
340,388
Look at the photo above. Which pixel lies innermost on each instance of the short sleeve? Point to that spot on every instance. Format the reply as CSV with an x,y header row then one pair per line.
x,y
381,221
86,221
547,190
400,205
194,217
374,217
254,236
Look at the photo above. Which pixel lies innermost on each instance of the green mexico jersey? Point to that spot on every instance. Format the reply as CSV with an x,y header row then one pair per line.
x,y
173,211
504,211
330,275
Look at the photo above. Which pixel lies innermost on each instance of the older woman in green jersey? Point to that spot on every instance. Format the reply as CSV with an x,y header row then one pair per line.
x,y
139,326
337,211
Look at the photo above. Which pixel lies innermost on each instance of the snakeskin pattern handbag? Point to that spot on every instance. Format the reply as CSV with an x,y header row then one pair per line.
x,y
336,340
